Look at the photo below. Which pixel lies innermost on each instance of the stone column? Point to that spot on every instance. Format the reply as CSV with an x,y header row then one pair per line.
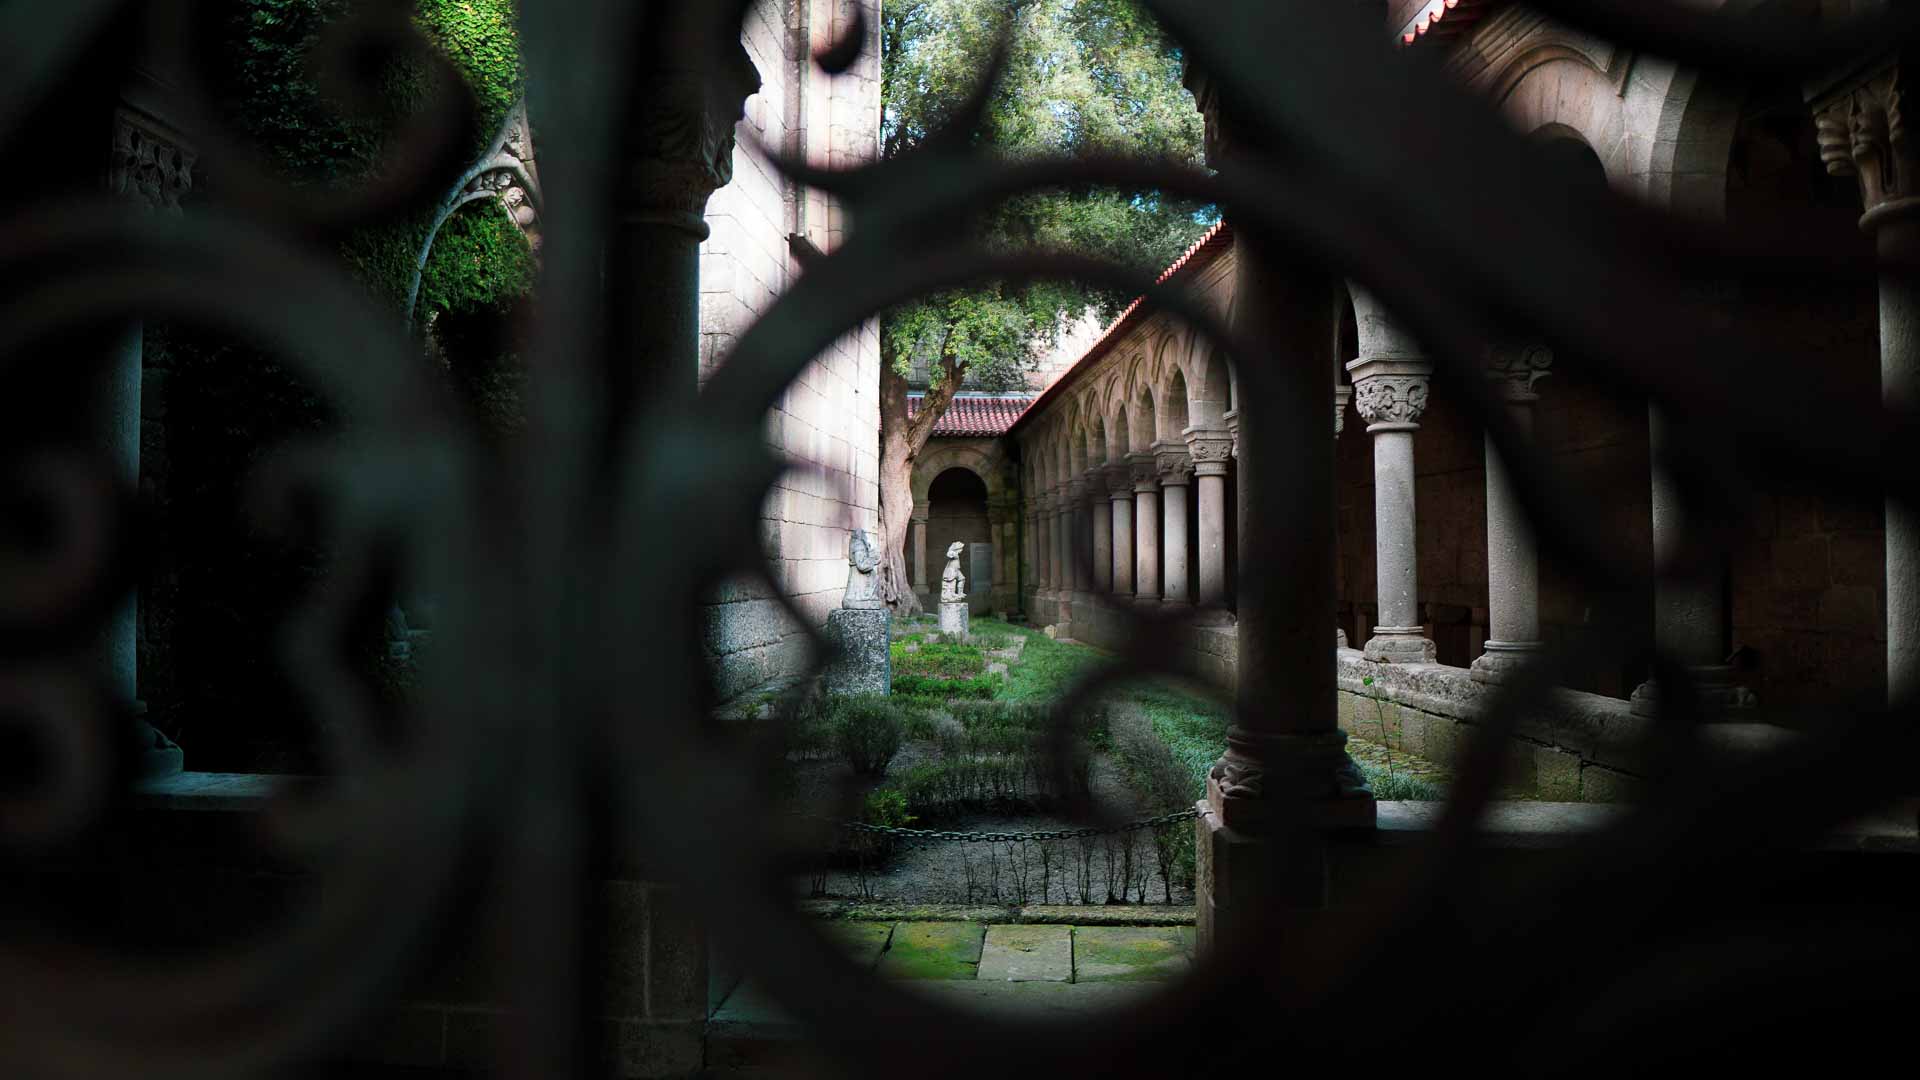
x,y
1120,484
150,165
1342,397
1390,389
1210,452
1285,779
917,544
1860,120
679,132
1176,477
1513,563
1030,546
1100,519
1688,612
1063,553
1146,528
1043,556
1079,574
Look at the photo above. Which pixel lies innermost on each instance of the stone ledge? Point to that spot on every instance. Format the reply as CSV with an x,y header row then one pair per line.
x,y
1893,828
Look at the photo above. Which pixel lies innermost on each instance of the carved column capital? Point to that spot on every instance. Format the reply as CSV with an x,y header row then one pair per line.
x,y
681,135
1517,367
921,511
1342,397
1076,493
1860,123
1210,451
150,163
1390,394
1096,484
1120,480
1232,417
1145,471
1173,462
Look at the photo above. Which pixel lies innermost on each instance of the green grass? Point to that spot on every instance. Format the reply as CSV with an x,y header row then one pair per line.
x,y
938,658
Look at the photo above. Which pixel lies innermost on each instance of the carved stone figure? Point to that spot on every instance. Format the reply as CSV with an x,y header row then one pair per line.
x,y
863,584
953,583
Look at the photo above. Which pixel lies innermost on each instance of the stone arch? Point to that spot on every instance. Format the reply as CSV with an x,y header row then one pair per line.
x,y
937,459
1663,133
1209,390
1096,436
1172,411
1144,429
1120,434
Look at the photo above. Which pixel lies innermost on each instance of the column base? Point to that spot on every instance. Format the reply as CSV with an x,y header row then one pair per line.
x,y
158,755
1502,660
1720,697
1246,867
1399,645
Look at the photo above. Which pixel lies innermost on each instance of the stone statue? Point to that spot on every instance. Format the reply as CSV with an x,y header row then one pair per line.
x,y
953,584
863,585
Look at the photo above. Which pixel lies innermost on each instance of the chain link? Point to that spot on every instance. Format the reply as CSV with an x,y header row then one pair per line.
x,y
929,836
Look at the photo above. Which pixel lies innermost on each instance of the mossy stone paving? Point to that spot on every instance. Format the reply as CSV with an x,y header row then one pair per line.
x,y
863,942
933,950
1131,953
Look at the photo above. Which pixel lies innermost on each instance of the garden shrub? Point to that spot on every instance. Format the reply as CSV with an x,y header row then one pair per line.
x,y
937,689
867,730
939,658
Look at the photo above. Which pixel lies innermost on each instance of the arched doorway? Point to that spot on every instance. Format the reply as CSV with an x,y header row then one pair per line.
x,y
957,510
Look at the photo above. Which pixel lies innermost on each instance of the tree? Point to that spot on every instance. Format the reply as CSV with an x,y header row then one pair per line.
x,y
1082,76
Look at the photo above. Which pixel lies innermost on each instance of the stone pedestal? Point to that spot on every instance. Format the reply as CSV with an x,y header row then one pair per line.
x,y
862,665
953,617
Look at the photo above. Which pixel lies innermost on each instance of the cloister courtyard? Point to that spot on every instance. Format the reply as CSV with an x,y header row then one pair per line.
x,y
958,537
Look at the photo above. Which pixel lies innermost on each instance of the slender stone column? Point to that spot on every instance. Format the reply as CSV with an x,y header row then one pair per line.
x,y
1043,562
1029,543
1100,520
1688,612
1513,563
1120,483
1342,397
1211,451
917,544
1080,575
1063,553
1860,122
1390,389
152,166
1146,528
1176,478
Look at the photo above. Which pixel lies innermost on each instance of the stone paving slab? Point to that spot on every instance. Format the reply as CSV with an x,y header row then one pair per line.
x,y
1039,1000
1131,953
1027,953
862,942
933,950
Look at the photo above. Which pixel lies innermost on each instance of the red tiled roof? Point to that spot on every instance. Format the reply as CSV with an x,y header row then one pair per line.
x,y
1442,19
974,417
1217,239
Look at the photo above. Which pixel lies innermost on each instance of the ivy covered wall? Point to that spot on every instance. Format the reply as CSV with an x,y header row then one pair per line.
x,y
220,588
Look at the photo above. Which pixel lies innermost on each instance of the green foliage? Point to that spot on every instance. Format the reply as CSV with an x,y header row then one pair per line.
x,y
1047,669
938,658
935,689
886,807
1083,76
867,730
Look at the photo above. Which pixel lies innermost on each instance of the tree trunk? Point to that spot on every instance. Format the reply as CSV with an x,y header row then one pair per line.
x,y
901,440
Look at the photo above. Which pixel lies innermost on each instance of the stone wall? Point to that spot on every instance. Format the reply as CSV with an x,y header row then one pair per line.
x,y
827,422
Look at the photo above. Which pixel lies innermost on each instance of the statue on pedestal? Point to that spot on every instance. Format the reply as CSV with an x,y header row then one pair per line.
x,y
863,584
861,629
954,617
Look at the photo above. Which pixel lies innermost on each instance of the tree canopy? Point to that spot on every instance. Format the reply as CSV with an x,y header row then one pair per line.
x,y
1082,76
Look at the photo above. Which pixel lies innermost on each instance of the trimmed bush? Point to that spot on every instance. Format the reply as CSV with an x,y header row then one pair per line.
x,y
867,730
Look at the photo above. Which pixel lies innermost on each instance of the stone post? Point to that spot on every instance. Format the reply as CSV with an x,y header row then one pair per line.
x,y
1146,528
1063,554
1860,121
1176,477
917,544
1285,779
1513,563
1043,558
1342,397
149,165
1390,390
1210,452
1100,518
1688,612
1120,484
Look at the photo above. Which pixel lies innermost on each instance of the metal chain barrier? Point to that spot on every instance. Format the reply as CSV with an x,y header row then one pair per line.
x,y
933,836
